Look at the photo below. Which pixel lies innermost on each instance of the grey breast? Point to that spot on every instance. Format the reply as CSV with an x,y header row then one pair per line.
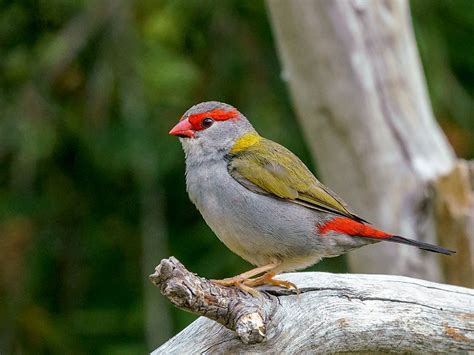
x,y
257,227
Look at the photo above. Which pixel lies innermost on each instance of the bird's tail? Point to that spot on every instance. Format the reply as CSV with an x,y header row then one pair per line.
x,y
360,230
421,245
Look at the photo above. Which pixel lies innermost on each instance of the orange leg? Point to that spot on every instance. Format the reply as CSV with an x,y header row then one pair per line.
x,y
242,279
267,278
231,281
245,283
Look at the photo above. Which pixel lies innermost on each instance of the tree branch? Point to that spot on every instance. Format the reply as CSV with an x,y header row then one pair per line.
x,y
233,308
334,312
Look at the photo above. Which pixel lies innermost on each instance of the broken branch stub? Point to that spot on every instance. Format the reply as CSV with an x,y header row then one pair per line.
x,y
235,309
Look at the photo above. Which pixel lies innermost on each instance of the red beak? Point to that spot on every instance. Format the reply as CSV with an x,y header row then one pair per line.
x,y
182,129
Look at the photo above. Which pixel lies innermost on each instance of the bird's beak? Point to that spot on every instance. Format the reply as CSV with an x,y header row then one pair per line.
x,y
182,129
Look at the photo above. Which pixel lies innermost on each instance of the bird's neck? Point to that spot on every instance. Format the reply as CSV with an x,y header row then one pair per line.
x,y
244,142
201,151
198,152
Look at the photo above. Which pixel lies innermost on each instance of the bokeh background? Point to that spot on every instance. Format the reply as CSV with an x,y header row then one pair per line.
x,y
92,190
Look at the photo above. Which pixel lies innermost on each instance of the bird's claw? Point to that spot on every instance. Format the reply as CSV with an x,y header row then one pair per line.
x,y
230,281
248,285
268,278
239,283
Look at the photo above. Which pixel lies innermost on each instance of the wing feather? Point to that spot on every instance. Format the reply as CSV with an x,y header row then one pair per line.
x,y
269,168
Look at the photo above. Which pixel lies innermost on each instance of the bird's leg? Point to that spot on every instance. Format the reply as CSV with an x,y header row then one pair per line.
x,y
243,280
234,281
245,283
267,278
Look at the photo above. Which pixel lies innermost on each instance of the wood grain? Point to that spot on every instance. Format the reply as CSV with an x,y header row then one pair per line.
x,y
333,313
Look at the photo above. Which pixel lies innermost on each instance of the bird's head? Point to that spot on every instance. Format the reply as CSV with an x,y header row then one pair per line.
x,y
210,128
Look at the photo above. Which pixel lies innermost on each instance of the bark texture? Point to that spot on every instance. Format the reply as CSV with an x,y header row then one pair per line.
x,y
233,308
355,77
333,313
454,214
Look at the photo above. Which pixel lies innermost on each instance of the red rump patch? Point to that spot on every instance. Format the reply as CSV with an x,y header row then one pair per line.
x,y
352,228
217,114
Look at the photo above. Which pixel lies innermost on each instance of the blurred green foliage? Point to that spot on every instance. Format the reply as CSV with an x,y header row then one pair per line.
x,y
445,32
88,92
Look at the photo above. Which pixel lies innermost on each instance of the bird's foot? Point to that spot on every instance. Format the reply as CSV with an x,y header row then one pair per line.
x,y
244,281
268,278
239,282
229,281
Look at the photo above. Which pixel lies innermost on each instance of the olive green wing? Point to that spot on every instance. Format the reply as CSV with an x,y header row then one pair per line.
x,y
269,168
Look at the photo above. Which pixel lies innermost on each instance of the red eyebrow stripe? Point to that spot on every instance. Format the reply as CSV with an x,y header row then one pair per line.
x,y
217,114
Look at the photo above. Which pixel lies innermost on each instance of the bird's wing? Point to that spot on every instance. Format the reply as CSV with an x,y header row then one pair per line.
x,y
269,168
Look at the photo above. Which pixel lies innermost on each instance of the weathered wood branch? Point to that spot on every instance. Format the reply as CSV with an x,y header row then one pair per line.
x,y
333,313
354,74
233,308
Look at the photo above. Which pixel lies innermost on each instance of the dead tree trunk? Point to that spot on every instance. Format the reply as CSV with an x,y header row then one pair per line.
x,y
358,88
333,313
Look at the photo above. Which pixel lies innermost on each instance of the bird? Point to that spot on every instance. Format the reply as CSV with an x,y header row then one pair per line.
x,y
263,202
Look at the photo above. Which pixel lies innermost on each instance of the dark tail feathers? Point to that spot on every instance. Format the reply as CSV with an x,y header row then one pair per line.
x,y
421,245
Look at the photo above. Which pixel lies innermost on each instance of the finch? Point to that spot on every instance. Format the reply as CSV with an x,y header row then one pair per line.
x,y
262,201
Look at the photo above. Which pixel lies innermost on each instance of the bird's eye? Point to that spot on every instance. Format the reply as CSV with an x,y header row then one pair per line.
x,y
207,122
